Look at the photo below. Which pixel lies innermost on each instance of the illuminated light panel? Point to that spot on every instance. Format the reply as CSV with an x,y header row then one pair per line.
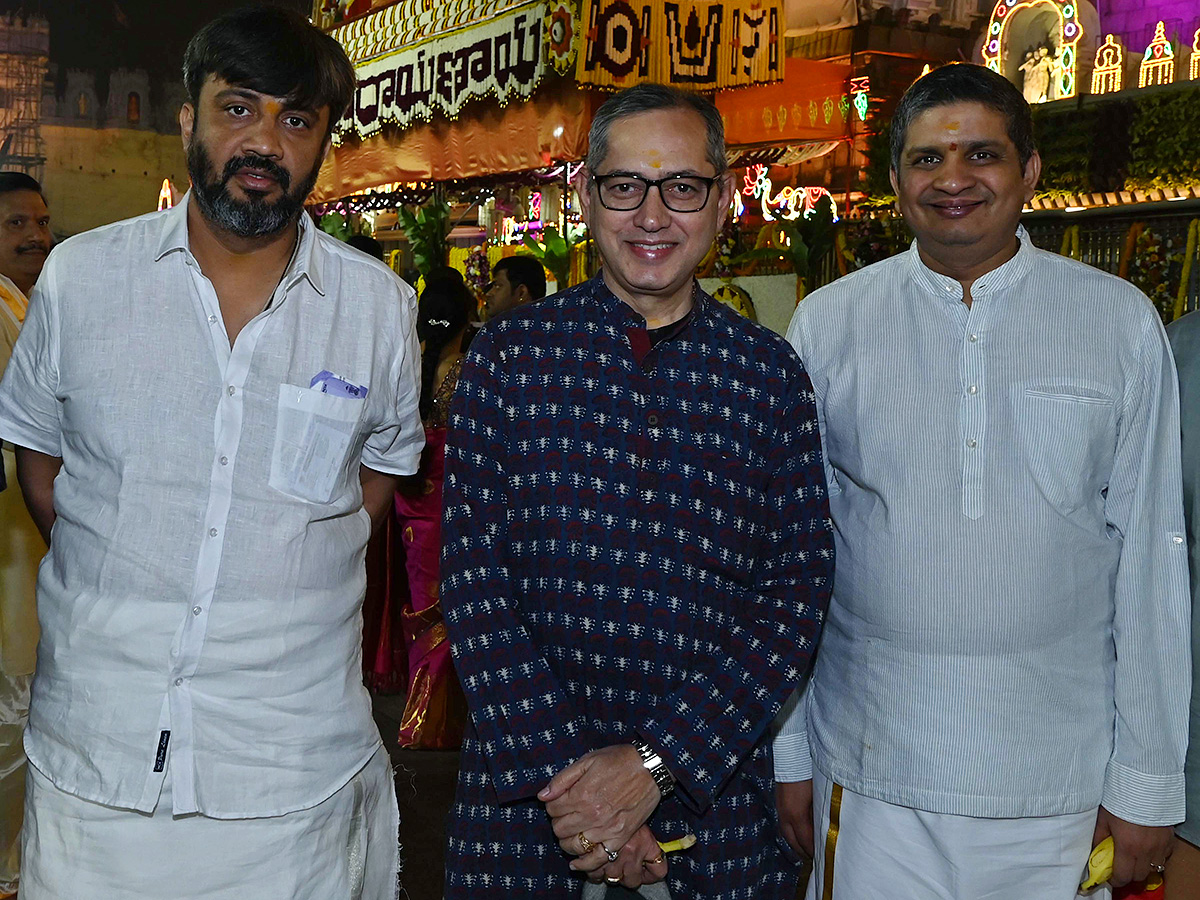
x,y
1110,67
789,203
1195,67
1069,29
165,199
1158,62
859,93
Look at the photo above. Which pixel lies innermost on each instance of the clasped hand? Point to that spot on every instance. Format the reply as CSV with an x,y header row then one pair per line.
x,y
607,796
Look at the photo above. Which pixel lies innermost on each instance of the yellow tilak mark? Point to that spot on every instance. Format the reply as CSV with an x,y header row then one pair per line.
x,y
831,836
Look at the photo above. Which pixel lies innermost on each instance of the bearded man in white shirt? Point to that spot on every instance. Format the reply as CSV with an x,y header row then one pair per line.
x,y
1003,677
212,403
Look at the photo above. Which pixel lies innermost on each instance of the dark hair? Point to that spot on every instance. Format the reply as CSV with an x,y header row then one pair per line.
x,y
648,97
964,83
523,270
367,245
19,181
444,309
274,51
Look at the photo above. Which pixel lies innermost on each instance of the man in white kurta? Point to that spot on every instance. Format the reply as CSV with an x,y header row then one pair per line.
x,y
24,242
1003,676
206,424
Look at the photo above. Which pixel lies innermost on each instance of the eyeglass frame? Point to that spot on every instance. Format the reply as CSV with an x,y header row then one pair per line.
x,y
655,183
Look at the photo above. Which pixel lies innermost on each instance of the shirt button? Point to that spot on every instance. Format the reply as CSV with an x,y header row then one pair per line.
x,y
231,390
178,682
973,389
1177,539
212,320
196,610
972,338
212,532
224,460
652,420
972,443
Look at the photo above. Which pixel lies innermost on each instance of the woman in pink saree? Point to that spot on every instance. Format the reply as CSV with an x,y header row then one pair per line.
x,y
435,711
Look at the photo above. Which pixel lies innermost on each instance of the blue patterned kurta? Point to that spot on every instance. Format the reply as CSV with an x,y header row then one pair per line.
x,y
636,543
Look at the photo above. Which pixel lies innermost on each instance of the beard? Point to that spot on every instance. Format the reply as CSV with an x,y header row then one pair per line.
x,y
255,216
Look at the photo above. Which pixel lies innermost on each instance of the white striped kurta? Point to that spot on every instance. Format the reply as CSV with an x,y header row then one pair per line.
x,y
1008,634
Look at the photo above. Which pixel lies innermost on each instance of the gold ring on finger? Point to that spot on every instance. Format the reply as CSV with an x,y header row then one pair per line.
x,y
585,843
613,880
654,862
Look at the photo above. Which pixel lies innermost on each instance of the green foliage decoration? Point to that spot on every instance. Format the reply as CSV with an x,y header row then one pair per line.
x,y
809,239
554,251
1165,141
427,230
337,224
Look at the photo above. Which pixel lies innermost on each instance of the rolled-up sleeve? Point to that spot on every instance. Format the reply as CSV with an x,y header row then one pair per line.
x,y
395,445
30,413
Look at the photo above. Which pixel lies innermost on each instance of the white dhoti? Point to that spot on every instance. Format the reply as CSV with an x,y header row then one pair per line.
x,y
345,848
879,851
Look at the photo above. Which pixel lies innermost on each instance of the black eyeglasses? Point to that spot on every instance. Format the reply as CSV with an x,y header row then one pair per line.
x,y
680,193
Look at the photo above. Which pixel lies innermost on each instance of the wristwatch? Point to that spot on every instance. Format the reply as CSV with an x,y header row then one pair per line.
x,y
658,770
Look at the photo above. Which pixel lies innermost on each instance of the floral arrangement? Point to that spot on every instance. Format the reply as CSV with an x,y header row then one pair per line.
x,y
479,271
1155,267
726,250
872,238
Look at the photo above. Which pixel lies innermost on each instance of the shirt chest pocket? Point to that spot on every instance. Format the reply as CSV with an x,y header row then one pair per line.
x,y
1068,432
314,433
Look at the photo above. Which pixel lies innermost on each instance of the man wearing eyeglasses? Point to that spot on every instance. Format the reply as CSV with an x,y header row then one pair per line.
x,y
637,549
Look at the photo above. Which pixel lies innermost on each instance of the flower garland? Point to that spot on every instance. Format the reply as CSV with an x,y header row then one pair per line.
x,y
479,271
1154,266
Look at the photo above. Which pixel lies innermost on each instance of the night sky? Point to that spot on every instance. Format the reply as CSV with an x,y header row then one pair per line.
x,y
111,34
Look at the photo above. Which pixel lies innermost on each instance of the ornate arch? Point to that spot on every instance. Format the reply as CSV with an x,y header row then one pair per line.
x,y
1070,30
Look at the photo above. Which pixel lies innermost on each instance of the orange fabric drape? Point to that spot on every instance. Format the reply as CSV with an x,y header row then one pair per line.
x,y
486,140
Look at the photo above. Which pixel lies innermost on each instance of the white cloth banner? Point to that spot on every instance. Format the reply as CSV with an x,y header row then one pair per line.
x,y
501,57
808,16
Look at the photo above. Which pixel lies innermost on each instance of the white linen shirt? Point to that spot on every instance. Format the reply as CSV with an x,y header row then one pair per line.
x,y
1008,632
183,593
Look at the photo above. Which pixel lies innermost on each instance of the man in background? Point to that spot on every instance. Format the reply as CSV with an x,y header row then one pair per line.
x,y
516,280
24,243
1183,869
211,403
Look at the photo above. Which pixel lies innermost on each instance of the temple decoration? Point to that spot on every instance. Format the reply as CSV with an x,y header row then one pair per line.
x,y
1110,67
166,197
562,30
860,93
1158,62
1194,72
500,56
788,203
697,44
1047,70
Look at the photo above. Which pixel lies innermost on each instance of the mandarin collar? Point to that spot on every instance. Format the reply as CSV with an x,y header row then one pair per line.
x,y
996,281
627,316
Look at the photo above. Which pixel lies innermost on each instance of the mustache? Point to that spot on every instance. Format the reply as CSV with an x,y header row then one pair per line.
x,y
257,163
34,245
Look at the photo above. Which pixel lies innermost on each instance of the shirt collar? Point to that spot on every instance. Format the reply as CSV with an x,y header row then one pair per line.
x,y
305,262
997,280
629,317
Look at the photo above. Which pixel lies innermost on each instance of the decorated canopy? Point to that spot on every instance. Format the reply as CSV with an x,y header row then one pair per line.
x,y
466,88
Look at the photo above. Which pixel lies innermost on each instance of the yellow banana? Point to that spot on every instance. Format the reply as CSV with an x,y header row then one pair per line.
x,y
1100,868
